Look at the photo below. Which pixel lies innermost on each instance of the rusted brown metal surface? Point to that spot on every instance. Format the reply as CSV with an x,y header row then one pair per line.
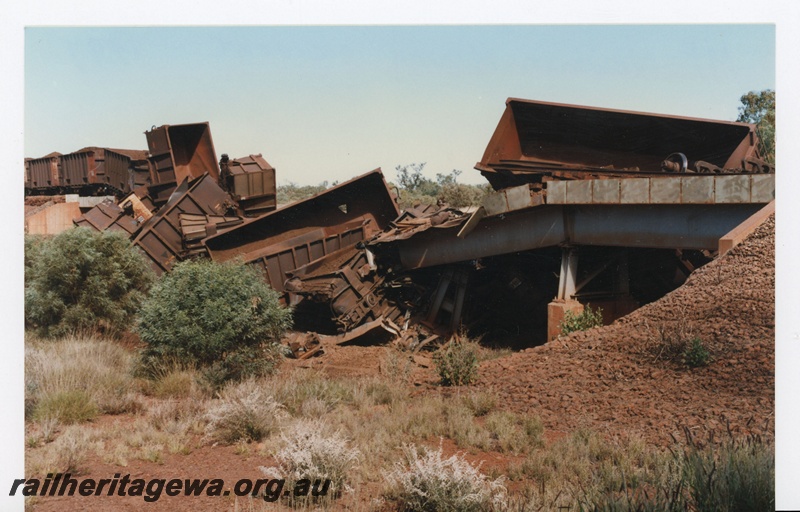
x,y
293,236
251,182
28,182
108,216
196,228
82,167
44,171
181,151
536,141
345,280
366,305
129,213
161,237
125,169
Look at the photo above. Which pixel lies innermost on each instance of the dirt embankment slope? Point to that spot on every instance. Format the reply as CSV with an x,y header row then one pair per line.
x,y
613,380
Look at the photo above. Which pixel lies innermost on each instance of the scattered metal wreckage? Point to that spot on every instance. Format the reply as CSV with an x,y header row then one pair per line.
x,y
640,200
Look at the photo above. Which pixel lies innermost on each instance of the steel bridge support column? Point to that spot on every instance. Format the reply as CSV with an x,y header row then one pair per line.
x,y
566,289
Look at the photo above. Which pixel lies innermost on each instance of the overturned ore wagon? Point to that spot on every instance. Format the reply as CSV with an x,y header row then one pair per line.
x,y
305,231
538,141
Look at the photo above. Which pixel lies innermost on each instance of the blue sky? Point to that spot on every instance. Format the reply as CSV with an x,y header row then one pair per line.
x,y
328,103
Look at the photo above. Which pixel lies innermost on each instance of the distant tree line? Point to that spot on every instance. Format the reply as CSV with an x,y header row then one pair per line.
x,y
412,188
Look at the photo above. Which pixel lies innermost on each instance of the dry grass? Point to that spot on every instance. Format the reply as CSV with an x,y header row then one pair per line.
x,y
361,424
513,433
244,412
75,378
176,384
294,391
66,454
479,402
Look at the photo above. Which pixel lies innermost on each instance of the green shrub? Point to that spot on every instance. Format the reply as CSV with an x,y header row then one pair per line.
x,y
219,318
696,354
82,280
457,363
33,250
582,321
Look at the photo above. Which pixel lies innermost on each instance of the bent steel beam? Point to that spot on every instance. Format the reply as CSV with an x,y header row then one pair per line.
x,y
669,226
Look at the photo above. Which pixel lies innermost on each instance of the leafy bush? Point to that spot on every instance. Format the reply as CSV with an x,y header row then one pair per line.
x,y
582,321
696,354
457,363
33,250
82,280
220,318
430,482
759,108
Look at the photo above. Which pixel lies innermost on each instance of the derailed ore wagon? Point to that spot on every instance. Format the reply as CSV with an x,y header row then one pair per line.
x,y
591,206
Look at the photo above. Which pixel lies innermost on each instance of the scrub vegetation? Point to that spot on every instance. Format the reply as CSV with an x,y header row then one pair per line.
x,y
420,452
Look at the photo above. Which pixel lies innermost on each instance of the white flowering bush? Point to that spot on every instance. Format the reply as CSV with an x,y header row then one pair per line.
x,y
311,452
245,411
430,482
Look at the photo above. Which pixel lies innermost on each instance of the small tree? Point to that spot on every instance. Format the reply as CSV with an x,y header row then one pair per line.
x,y
759,108
219,317
83,280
